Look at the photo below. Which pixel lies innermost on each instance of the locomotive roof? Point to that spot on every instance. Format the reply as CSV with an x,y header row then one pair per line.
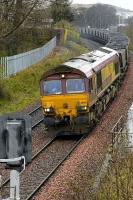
x,y
93,61
86,64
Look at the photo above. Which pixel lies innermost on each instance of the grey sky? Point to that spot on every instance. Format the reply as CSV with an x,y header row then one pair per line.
x,y
121,3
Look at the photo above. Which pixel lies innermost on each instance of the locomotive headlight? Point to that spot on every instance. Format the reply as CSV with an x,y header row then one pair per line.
x,y
48,110
82,108
62,75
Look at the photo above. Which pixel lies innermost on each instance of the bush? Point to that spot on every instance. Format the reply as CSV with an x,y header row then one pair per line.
x,y
4,91
118,182
64,24
69,31
25,39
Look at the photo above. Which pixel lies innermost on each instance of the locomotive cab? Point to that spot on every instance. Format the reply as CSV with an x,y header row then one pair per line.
x,y
63,96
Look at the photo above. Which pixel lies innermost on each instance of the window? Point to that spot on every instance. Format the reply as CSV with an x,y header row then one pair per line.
x,y
99,80
75,85
120,59
90,84
116,65
52,87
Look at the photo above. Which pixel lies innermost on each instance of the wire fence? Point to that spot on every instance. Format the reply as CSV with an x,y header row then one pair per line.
x,y
13,64
120,148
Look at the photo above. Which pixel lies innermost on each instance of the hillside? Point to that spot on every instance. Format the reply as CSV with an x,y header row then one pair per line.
x,y
119,10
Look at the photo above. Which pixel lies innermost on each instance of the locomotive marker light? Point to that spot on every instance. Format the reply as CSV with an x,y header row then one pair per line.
x,y
15,147
63,76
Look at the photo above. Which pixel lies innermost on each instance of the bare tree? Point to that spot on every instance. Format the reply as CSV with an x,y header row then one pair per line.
x,y
13,14
97,16
101,16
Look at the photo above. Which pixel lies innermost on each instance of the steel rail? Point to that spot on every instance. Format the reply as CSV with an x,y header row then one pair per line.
x,y
33,111
37,108
37,123
43,148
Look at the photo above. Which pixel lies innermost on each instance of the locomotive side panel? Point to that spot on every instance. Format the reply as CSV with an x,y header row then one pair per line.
x,y
107,75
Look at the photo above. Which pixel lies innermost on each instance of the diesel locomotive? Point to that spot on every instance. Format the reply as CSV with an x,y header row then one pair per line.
x,y
77,92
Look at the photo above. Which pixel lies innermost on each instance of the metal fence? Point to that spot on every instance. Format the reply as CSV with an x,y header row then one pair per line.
x,y
14,64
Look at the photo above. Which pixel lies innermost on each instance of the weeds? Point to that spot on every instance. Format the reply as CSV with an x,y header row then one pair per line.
x,y
5,93
118,183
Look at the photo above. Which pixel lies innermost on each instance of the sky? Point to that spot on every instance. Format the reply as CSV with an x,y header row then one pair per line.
x,y
128,4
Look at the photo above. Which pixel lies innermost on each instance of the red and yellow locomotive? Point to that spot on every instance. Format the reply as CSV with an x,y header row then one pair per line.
x,y
77,92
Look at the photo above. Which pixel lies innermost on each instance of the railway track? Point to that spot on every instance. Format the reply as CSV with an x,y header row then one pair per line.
x,y
37,116
6,182
68,147
48,166
43,167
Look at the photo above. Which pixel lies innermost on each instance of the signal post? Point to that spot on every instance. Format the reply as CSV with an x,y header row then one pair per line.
x,y
15,147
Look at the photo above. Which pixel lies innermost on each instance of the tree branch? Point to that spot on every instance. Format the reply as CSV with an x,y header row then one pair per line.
x,y
21,22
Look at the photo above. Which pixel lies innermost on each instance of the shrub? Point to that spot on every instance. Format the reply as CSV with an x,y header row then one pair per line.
x,y
4,91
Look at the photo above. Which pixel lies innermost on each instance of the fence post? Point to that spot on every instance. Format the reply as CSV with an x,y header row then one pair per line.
x,y
0,68
3,67
7,67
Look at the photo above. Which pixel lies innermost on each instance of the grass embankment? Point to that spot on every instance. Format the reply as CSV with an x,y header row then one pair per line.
x,y
19,91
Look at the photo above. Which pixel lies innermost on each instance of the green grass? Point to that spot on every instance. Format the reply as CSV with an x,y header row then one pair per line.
x,y
23,89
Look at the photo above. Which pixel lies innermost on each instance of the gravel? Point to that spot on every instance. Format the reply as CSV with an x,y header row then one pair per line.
x,y
74,179
43,165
